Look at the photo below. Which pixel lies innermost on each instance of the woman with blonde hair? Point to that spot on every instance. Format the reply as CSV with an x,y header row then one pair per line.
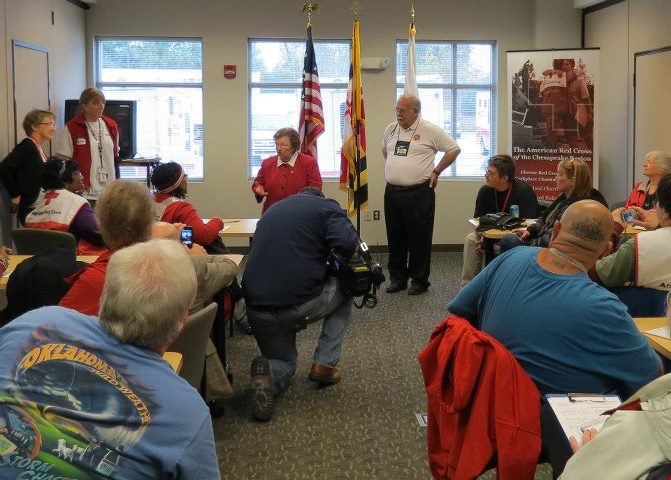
x,y
574,183
92,140
21,171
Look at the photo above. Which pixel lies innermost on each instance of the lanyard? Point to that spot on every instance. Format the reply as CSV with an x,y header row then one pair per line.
x,y
568,259
98,140
398,135
505,203
39,149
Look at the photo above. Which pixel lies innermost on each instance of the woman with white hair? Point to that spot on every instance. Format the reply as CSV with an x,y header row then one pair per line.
x,y
655,165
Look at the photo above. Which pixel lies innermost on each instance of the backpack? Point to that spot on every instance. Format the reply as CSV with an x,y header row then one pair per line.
x,y
500,221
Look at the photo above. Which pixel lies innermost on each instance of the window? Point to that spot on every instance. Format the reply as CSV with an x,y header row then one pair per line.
x,y
275,84
457,87
165,77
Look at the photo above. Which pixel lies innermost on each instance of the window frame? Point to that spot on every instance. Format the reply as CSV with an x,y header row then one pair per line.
x,y
251,85
454,86
101,85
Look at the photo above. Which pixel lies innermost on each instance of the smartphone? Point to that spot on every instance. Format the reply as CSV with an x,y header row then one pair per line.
x,y
629,216
186,236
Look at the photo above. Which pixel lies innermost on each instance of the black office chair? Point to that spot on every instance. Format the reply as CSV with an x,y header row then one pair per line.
x,y
192,344
33,241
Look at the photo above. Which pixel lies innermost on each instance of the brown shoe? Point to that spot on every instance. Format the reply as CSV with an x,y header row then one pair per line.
x,y
324,375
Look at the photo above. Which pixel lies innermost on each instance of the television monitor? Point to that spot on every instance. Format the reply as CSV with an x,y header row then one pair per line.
x,y
124,113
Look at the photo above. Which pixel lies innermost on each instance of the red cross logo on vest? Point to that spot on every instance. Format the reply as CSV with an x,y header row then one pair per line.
x,y
49,196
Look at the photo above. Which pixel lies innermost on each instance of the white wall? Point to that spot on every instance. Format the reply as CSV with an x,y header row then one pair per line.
x,y
225,27
31,21
556,24
620,31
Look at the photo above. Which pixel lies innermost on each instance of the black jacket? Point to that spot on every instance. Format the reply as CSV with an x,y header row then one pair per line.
x,y
21,172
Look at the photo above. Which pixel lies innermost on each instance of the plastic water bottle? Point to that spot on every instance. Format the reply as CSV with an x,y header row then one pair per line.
x,y
515,211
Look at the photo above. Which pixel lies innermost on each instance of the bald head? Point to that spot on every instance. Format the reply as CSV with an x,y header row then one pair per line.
x,y
585,225
164,230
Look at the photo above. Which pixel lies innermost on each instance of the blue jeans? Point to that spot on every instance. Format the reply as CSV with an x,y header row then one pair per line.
x,y
510,240
275,331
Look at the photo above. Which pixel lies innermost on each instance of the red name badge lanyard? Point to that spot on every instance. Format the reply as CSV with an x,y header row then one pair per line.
x,y
505,203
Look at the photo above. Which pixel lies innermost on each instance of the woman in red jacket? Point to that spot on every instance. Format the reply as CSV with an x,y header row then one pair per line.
x,y
655,165
286,173
171,186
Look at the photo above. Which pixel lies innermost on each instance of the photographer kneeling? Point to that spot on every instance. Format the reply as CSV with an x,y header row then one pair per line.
x,y
287,285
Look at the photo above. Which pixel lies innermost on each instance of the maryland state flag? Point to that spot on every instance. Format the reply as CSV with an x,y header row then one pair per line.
x,y
353,153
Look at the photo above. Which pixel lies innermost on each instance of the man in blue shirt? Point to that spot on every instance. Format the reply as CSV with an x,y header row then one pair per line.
x,y
568,333
87,397
286,286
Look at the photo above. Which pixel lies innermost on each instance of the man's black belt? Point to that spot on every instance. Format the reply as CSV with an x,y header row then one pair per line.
x,y
403,188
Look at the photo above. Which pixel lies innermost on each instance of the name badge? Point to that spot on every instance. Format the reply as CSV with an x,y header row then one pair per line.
x,y
102,176
401,148
81,141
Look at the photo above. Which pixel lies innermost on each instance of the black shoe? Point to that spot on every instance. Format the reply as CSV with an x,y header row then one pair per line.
x,y
262,403
418,288
396,286
261,396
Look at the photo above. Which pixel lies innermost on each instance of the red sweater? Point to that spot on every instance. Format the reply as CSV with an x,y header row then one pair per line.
x,y
285,180
87,287
481,403
183,212
637,196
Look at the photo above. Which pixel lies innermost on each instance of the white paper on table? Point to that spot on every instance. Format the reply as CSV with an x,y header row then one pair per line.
x,y
578,416
663,332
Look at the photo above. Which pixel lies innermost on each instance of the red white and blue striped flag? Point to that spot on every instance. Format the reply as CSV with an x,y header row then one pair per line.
x,y
311,123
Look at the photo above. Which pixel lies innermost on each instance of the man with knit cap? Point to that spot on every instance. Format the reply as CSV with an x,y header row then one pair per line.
x,y
170,206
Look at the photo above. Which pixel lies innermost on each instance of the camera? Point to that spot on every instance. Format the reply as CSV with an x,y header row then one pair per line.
x,y
359,275
186,236
629,216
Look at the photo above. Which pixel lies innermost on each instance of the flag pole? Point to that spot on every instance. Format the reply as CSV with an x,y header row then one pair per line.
x,y
310,7
356,8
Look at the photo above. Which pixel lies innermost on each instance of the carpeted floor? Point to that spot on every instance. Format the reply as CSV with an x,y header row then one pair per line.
x,y
365,427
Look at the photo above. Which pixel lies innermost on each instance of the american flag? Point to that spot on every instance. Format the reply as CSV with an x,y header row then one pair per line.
x,y
311,123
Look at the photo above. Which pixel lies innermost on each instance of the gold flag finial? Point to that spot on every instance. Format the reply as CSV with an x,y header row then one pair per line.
x,y
356,8
411,29
310,7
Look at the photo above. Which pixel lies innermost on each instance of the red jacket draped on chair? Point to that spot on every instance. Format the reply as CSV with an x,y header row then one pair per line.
x,y
481,403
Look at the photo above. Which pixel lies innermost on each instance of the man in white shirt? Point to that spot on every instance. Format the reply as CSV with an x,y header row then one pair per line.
x,y
409,147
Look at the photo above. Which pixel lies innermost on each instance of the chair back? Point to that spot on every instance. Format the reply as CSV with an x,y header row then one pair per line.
x,y
192,344
39,281
33,241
